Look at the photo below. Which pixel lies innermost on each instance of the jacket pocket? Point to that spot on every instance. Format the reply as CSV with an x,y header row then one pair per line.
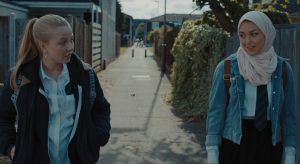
x,y
88,144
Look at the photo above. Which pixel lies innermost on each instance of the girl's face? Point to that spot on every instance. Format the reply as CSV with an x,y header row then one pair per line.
x,y
59,47
251,38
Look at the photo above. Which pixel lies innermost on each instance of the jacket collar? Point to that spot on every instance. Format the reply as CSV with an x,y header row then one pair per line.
x,y
76,67
233,58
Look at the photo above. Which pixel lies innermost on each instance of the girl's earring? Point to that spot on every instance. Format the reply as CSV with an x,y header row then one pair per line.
x,y
45,56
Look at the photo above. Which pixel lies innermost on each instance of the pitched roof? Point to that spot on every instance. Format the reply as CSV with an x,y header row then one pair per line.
x,y
12,3
53,0
127,16
174,17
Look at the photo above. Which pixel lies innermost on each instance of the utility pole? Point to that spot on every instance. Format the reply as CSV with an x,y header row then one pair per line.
x,y
163,69
157,8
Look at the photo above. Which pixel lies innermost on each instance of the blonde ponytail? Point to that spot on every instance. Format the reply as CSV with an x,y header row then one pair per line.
x,y
28,51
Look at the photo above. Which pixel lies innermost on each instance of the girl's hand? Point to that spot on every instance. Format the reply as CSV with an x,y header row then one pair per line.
x,y
12,153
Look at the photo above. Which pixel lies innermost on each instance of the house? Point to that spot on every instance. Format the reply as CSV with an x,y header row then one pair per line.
x,y
93,23
173,20
79,13
7,7
83,9
108,22
127,33
12,22
295,18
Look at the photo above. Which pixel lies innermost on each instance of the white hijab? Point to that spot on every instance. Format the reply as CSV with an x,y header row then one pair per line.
x,y
259,68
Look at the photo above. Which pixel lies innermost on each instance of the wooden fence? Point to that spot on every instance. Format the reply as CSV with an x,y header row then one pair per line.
x,y
287,45
87,41
79,29
96,46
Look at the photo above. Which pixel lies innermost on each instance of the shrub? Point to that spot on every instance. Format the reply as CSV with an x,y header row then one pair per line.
x,y
197,50
152,34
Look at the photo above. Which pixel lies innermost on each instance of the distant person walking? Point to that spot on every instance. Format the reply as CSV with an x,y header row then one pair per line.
x,y
61,113
142,43
252,121
137,42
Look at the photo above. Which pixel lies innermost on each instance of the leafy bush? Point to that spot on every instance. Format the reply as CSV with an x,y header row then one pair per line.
x,y
277,17
197,50
152,34
276,12
208,18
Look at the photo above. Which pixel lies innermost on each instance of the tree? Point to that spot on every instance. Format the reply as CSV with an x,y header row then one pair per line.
x,y
140,31
119,17
228,12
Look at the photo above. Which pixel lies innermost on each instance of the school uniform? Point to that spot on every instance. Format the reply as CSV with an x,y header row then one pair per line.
x,y
46,134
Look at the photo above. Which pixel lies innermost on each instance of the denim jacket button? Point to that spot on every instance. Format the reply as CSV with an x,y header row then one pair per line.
x,y
275,77
273,108
274,92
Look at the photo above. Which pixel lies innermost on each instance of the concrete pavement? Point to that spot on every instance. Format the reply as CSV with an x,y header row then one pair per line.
x,y
145,129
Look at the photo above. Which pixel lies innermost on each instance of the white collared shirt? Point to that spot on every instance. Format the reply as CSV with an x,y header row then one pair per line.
x,y
61,115
250,99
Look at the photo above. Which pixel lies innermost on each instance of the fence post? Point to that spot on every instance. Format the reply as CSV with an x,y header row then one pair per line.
x,y
132,53
104,64
1,87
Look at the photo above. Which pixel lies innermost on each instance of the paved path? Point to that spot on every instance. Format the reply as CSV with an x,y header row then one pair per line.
x,y
144,128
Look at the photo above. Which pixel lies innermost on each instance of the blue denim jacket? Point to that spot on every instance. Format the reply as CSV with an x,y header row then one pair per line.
x,y
224,118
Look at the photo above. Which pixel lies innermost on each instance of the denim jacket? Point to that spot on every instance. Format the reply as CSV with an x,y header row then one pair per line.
x,y
224,118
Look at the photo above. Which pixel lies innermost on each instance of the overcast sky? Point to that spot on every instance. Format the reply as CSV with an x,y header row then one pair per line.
x,y
145,9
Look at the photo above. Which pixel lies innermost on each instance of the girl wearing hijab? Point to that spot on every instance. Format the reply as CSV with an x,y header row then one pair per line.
x,y
256,121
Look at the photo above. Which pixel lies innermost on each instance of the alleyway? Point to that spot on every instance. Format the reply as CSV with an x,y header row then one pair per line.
x,y
144,128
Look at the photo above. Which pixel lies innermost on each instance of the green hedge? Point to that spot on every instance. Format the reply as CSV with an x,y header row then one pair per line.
x,y
197,50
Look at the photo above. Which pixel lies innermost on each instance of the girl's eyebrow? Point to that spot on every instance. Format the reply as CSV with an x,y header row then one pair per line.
x,y
66,38
255,30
